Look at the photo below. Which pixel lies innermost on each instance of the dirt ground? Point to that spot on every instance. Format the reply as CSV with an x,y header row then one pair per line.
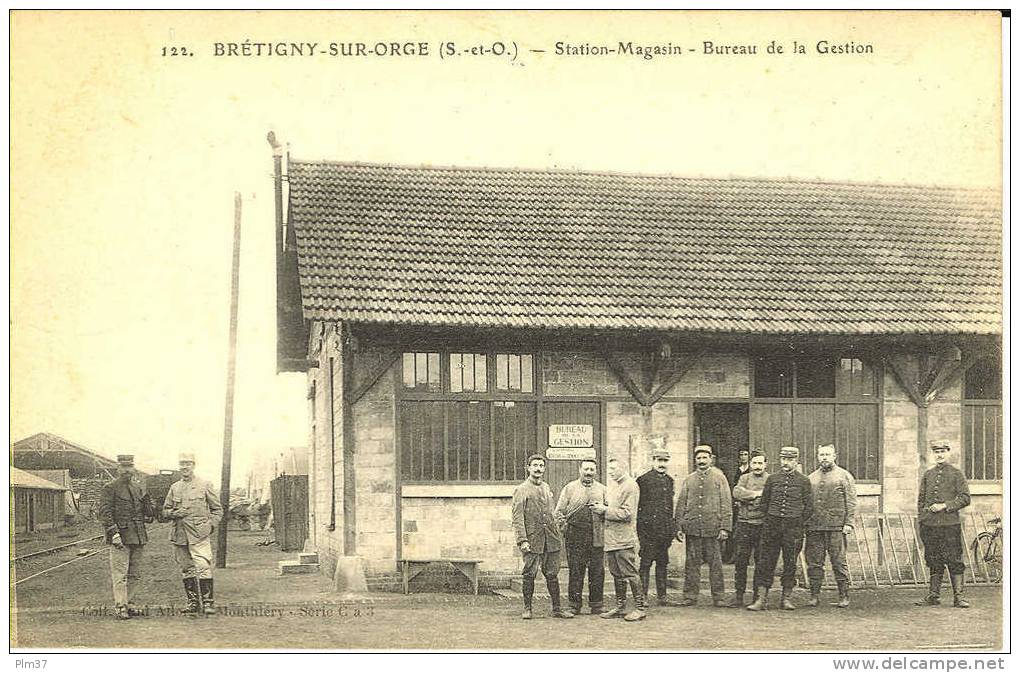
x,y
261,609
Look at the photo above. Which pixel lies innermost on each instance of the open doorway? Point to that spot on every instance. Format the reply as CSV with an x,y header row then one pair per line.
x,y
724,427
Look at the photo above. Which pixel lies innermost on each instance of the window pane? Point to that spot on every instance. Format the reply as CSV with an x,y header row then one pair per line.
x,y
816,377
527,374
421,369
773,377
481,382
502,372
855,378
433,371
456,372
857,440
515,372
982,441
409,370
983,381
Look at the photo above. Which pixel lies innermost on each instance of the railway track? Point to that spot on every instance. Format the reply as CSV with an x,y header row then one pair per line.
x,y
32,565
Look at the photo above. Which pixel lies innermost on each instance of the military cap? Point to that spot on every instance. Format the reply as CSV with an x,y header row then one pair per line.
x,y
660,452
126,460
703,448
826,446
186,457
756,452
943,446
789,452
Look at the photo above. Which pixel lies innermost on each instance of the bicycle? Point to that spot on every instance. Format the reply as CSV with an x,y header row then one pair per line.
x,y
987,548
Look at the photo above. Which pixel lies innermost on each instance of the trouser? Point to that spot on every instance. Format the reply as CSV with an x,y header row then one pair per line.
x,y
194,559
583,558
816,544
943,549
657,552
747,540
703,550
125,567
622,564
784,536
549,564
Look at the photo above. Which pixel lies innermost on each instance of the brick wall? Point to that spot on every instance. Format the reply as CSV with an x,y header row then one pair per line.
x,y
461,527
583,374
715,375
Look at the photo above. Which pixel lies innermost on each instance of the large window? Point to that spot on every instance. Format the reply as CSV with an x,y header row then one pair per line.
x,y
467,416
982,420
810,401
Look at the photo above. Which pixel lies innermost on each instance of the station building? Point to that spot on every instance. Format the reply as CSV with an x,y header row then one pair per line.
x,y
452,321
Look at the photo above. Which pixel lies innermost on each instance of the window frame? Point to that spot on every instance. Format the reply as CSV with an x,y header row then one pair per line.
x,y
966,402
491,397
877,400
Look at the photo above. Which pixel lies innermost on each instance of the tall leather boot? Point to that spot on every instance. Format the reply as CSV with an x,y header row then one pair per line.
x,y
640,610
785,602
528,590
621,600
761,600
191,591
553,584
205,584
957,582
844,594
934,589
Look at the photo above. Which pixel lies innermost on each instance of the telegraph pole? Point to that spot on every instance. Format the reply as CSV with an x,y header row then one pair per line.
x,y
228,415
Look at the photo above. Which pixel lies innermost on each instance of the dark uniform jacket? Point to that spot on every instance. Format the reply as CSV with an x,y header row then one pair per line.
x,y
655,508
534,520
942,483
787,495
125,507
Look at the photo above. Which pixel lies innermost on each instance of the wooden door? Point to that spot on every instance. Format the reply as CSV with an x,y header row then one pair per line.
x,y
557,416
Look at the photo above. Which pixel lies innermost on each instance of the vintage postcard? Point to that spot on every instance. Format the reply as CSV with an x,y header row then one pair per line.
x,y
509,330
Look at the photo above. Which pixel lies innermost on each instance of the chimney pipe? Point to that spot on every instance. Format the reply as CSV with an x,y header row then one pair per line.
x,y
280,266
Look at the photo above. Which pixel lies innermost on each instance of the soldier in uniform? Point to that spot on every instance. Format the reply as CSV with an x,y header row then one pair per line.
x,y
655,523
835,497
750,518
620,514
704,515
124,509
193,507
583,537
538,536
787,504
943,493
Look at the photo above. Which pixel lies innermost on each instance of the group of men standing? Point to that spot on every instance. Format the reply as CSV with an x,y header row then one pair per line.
x,y
193,508
764,515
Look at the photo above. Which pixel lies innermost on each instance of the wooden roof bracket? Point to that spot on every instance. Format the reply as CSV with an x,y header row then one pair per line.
x,y
624,377
647,397
374,375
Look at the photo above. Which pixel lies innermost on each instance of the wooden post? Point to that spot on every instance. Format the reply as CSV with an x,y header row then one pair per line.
x,y
228,415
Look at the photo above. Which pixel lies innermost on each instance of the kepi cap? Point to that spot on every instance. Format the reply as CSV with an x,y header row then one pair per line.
x,y
126,460
186,457
703,448
941,446
660,452
789,452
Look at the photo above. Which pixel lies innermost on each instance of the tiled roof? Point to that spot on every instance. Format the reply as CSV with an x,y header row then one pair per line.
x,y
22,479
527,248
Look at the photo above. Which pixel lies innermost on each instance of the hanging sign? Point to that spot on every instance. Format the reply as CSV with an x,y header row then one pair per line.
x,y
571,437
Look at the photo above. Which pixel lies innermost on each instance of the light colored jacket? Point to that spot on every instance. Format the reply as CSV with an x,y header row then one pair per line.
x,y
194,508
622,498
835,494
704,506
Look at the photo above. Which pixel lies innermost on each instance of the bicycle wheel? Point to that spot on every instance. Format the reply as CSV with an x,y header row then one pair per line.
x,y
983,555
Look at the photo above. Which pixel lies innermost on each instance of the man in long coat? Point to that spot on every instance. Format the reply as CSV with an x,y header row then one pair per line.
x,y
583,537
194,508
835,495
124,509
655,526
704,516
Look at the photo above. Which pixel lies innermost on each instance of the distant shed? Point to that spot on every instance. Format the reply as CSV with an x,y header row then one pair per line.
x,y
37,503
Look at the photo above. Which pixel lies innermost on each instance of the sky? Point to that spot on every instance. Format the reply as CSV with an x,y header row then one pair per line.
x,y
124,165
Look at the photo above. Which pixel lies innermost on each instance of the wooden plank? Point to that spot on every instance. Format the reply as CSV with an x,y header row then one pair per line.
x,y
374,375
684,365
618,370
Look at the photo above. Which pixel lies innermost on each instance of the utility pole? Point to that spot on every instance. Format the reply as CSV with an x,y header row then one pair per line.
x,y
228,415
